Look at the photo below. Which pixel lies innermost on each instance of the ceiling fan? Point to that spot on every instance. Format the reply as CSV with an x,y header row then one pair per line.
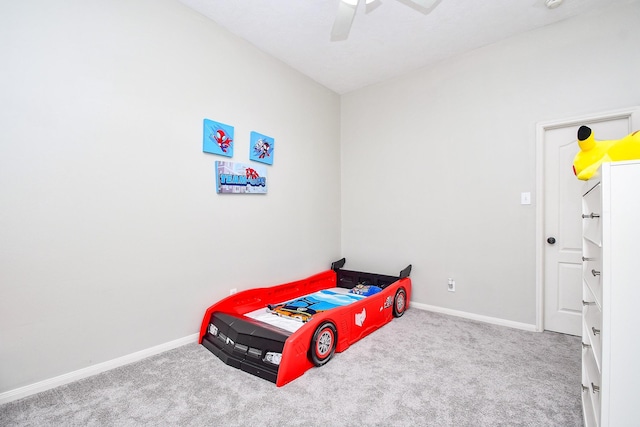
x,y
347,10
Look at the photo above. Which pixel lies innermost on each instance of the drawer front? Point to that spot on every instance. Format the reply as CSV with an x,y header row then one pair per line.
x,y
592,336
592,269
591,251
591,380
592,276
591,215
587,409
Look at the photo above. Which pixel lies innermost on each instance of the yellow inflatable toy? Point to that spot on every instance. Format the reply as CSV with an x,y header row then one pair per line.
x,y
593,153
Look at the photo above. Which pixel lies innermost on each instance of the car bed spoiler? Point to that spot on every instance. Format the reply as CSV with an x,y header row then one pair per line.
x,y
337,265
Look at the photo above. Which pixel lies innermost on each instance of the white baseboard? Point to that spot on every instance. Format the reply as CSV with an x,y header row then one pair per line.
x,y
478,317
19,393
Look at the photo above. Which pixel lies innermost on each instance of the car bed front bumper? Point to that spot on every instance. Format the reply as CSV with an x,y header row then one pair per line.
x,y
243,343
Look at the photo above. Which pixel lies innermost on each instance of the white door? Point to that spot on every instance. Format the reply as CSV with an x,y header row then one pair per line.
x,y
562,221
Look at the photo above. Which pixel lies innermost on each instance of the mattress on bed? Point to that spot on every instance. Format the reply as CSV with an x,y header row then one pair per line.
x,y
323,300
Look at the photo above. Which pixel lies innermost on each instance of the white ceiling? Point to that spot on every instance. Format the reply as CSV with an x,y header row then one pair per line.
x,y
391,40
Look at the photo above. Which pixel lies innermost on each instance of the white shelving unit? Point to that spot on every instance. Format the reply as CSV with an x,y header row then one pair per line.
x,y
611,297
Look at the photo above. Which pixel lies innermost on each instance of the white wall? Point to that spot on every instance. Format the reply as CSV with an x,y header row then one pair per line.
x,y
433,163
112,238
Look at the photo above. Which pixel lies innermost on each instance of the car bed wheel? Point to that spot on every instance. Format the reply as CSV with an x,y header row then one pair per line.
x,y
400,302
323,344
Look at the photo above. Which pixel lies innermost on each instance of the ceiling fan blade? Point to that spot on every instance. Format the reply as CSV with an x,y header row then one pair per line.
x,y
372,5
424,6
342,24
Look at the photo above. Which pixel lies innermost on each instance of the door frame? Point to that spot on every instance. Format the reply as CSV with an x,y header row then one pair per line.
x,y
631,113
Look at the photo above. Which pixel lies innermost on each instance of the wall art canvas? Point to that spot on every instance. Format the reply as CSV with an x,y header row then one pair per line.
x,y
239,178
261,149
217,138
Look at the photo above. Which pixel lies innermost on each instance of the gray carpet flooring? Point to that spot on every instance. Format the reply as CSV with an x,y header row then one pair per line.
x,y
424,369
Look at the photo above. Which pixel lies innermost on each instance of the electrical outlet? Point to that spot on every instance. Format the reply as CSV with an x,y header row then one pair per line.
x,y
232,291
451,285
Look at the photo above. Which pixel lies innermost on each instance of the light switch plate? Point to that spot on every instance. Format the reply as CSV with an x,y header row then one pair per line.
x,y
525,198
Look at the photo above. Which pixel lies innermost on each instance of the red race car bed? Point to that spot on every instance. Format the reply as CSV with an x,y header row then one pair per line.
x,y
278,333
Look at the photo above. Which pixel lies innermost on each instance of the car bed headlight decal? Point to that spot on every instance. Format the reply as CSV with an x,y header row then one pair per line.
x,y
273,357
213,330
